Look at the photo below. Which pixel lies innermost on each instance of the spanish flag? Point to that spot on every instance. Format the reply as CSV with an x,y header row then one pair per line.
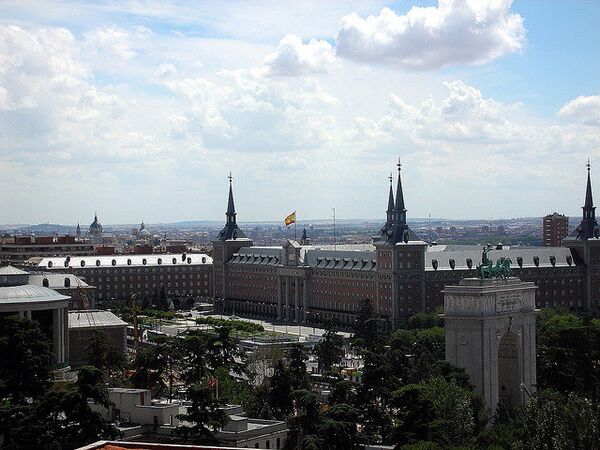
x,y
290,219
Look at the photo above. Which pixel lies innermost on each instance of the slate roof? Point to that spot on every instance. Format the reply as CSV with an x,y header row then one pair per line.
x,y
57,280
28,294
94,318
544,257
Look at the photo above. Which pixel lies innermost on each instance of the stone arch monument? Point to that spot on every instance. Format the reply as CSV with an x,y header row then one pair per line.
x,y
490,332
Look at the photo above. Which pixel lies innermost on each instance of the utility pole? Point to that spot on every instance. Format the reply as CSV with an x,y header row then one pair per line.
x,y
334,242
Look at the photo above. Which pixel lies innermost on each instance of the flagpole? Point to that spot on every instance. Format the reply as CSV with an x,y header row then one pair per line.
x,y
334,245
295,238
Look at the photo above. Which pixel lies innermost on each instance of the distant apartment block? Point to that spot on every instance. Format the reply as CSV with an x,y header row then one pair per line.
x,y
24,247
555,229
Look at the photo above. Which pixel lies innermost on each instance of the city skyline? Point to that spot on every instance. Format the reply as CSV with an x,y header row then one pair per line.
x,y
139,110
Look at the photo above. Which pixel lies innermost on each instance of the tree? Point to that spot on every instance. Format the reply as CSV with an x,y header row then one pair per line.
x,y
330,350
148,370
424,320
435,410
297,367
25,351
568,348
146,302
306,419
338,429
103,354
366,333
204,416
162,302
280,394
63,417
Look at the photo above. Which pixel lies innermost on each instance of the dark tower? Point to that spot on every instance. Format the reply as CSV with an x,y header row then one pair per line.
x,y
396,229
585,245
588,228
231,239
400,263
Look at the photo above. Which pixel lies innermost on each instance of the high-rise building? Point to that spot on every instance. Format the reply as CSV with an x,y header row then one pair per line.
x,y
555,229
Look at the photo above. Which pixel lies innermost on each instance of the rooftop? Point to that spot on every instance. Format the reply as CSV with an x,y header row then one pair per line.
x,y
28,294
157,259
94,318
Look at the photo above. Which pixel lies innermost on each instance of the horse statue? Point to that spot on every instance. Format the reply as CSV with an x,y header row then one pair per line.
x,y
487,270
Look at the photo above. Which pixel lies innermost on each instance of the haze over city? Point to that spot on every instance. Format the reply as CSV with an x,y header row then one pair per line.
x,y
139,110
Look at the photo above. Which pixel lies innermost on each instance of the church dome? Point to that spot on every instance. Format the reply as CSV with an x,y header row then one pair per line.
x,y
96,226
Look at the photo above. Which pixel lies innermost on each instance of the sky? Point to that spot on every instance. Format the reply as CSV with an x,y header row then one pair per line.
x,y
140,109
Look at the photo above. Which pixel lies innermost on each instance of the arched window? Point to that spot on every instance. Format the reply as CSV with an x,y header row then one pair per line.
x,y
50,264
469,263
553,260
98,262
144,261
434,264
159,261
82,263
536,261
66,263
203,260
67,282
189,260
128,262
114,262
174,260
520,261
45,282
569,260
452,263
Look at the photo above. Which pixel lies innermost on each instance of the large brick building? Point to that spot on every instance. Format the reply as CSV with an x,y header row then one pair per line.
x,y
399,272
117,277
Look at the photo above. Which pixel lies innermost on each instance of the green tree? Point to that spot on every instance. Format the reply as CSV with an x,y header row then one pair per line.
x,y
204,416
435,410
162,302
424,320
297,367
102,353
280,393
338,429
306,419
149,370
25,351
63,417
330,350
366,328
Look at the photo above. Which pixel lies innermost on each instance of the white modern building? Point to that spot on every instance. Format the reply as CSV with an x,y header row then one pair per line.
x,y
39,303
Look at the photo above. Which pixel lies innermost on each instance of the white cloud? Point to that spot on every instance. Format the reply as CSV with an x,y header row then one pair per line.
x,y
111,41
244,111
294,58
454,32
583,109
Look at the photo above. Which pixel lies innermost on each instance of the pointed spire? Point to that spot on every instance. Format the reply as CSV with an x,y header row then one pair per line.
x,y
231,230
390,210
589,202
230,204
588,228
400,209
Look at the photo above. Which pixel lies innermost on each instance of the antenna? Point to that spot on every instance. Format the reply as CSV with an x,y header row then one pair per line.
x,y
334,242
